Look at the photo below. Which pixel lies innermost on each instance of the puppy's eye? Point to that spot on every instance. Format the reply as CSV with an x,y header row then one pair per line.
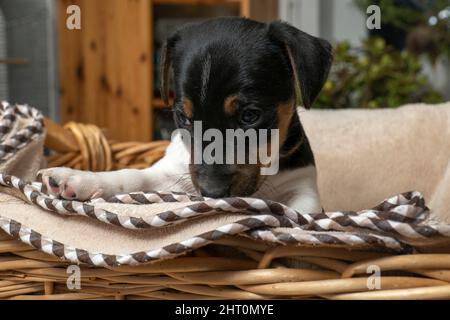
x,y
250,116
182,119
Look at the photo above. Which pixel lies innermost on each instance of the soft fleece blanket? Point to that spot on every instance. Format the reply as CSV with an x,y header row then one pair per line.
x,y
362,157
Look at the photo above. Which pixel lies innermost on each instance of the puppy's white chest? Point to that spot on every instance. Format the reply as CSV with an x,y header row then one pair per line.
x,y
295,188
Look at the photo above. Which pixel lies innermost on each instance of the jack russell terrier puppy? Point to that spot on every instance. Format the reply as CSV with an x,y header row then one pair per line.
x,y
229,73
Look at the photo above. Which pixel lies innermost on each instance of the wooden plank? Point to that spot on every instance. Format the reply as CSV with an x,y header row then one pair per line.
x,y
136,58
71,68
94,55
106,67
261,10
244,8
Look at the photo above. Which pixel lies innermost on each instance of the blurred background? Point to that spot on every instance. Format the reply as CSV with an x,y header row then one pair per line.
x,y
106,72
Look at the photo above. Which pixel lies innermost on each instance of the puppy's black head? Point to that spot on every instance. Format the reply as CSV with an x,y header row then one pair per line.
x,y
232,73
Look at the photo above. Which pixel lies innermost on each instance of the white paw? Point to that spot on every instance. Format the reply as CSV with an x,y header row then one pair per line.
x,y
71,184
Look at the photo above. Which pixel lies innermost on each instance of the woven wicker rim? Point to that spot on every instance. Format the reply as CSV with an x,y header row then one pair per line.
x,y
257,272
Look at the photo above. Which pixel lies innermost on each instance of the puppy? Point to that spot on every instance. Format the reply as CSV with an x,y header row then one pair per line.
x,y
229,73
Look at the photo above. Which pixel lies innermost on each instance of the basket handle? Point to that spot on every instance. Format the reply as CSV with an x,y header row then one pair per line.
x,y
58,138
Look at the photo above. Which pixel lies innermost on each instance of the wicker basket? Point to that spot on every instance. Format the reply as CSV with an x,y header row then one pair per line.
x,y
232,268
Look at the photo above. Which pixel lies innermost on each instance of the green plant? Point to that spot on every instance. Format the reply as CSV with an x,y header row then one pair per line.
x,y
374,76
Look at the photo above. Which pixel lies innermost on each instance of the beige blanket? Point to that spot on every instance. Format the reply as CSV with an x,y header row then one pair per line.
x,y
367,155
362,156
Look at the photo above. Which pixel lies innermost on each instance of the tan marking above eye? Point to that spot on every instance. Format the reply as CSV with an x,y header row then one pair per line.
x,y
230,105
188,108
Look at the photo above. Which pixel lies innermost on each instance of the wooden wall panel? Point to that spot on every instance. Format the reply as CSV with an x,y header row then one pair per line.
x,y
106,67
70,67
260,10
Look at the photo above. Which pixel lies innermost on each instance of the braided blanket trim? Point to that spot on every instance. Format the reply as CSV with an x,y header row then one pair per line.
x,y
395,215
402,219
337,239
287,217
9,145
81,256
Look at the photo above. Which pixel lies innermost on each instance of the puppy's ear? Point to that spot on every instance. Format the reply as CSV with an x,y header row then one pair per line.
x,y
165,64
310,59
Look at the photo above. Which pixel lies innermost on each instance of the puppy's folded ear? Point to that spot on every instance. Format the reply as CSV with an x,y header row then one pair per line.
x,y
310,59
165,64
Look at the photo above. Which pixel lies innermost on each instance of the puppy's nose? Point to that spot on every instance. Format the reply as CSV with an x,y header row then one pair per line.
x,y
214,181
215,192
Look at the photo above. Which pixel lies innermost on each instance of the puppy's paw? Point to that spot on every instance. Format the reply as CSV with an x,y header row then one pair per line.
x,y
71,184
